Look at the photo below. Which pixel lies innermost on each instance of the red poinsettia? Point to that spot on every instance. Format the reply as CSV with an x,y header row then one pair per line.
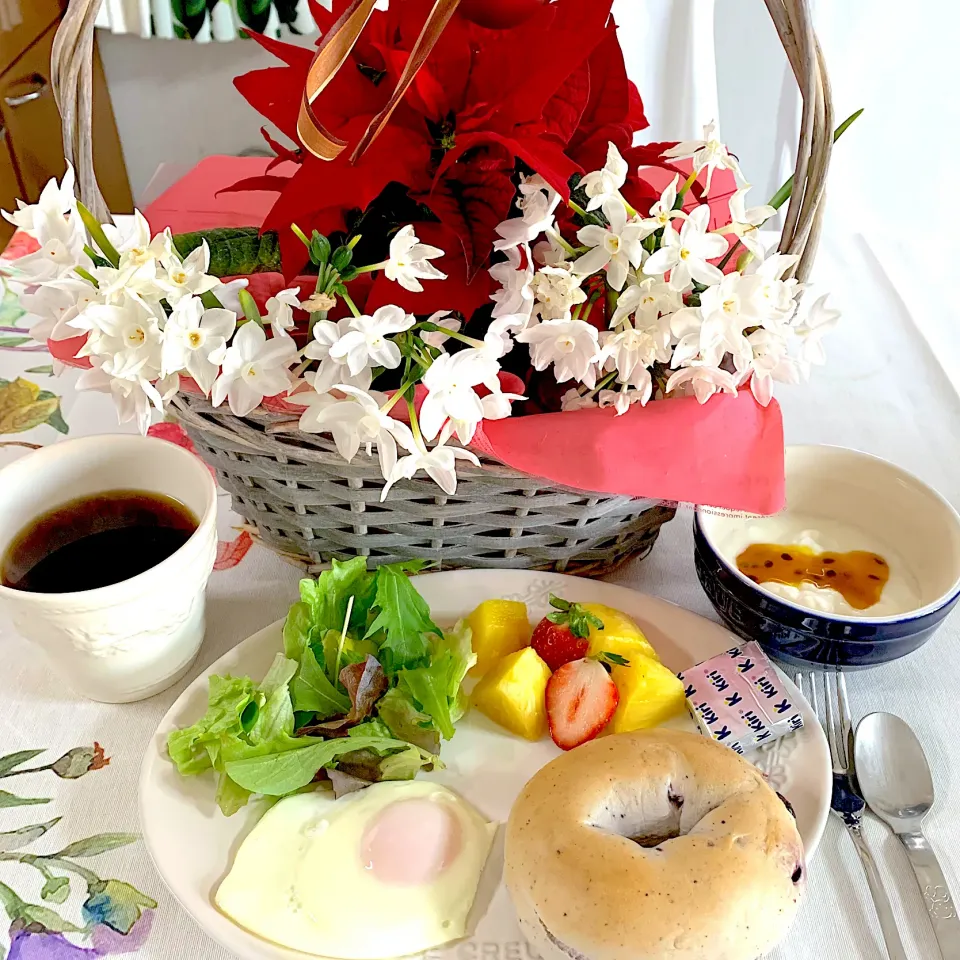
x,y
546,91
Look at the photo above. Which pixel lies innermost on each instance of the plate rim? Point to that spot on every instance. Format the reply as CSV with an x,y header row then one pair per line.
x,y
154,753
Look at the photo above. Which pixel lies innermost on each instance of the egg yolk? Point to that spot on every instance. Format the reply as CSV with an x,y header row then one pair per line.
x,y
411,842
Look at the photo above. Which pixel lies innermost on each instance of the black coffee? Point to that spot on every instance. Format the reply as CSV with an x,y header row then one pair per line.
x,y
96,541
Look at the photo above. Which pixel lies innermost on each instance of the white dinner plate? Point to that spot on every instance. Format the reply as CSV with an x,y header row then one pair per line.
x,y
193,844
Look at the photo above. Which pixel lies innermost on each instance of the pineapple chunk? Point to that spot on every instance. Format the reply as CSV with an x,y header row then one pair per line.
x,y
620,635
500,627
649,695
512,694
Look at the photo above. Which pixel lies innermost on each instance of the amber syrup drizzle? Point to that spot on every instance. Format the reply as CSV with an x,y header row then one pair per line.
x,y
858,576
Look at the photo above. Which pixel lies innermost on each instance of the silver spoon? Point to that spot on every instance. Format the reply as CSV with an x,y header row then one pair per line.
x,y
895,781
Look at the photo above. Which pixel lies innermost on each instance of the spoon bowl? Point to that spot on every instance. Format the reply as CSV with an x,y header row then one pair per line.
x,y
893,772
895,780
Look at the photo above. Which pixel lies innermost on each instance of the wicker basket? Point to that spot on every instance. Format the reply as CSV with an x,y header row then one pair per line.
x,y
306,503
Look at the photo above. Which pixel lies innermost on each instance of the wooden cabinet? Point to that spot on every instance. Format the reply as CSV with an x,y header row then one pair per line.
x,y
31,151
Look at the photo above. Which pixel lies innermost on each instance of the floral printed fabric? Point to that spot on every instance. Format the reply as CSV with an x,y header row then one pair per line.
x,y
205,20
78,911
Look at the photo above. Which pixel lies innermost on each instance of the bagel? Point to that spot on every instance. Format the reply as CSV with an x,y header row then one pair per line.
x,y
653,845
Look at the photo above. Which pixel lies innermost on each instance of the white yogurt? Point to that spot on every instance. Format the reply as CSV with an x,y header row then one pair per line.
x,y
901,594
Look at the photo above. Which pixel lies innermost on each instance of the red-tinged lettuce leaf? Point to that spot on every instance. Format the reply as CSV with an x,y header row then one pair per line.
x,y
471,203
365,684
345,783
407,722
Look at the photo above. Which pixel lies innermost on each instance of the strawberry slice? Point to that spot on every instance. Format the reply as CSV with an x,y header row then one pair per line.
x,y
563,635
581,698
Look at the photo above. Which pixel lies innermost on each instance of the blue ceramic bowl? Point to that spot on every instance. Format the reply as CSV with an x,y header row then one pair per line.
x,y
831,488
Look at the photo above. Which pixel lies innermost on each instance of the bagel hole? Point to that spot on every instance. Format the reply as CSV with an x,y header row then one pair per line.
x,y
646,819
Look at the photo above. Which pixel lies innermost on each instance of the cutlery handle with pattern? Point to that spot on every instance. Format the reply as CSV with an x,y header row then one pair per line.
x,y
936,894
891,935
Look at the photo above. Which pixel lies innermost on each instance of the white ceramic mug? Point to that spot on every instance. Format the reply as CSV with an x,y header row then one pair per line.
x,y
132,639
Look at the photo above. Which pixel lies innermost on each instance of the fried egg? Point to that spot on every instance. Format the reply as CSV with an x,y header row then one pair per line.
x,y
388,871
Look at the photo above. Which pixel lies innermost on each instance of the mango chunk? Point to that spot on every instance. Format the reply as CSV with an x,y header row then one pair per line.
x,y
620,635
512,694
500,627
649,695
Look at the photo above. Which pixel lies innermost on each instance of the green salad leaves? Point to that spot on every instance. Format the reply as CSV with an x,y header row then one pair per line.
x,y
369,698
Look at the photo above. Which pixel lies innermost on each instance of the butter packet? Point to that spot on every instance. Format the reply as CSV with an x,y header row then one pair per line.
x,y
739,700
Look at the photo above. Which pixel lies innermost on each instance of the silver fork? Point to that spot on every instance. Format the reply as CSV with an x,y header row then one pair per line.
x,y
827,692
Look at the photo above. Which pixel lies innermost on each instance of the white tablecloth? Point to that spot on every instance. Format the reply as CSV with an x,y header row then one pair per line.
x,y
884,391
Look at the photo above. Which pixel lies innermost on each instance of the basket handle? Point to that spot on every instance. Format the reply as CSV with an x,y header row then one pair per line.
x,y
71,77
72,82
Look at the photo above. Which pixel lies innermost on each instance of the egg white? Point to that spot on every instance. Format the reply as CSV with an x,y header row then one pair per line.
x,y
299,879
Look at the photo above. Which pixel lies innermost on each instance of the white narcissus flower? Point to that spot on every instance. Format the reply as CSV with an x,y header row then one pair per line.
x,y
745,223
726,313
538,202
647,299
603,185
662,212
704,380
816,321
51,306
366,344
498,340
126,335
327,333
253,367
770,299
571,346
615,249
409,261
280,311
50,215
573,400
228,294
515,274
630,351
450,381
186,277
442,318
551,252
135,399
440,464
138,246
194,341
685,254
707,153
355,421
707,340
621,400
557,291
768,361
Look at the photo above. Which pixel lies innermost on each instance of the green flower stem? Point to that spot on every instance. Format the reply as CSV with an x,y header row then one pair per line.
x,y
555,236
370,269
397,397
414,424
577,209
349,302
95,229
300,235
249,307
462,337
86,275
210,301
688,183
602,383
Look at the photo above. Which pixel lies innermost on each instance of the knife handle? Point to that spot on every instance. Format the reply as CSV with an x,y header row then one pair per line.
x,y
936,894
888,925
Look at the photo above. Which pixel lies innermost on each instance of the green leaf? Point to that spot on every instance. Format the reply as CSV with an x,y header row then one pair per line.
x,y
407,721
230,797
95,229
190,749
296,630
436,687
275,717
56,889
13,760
10,800
404,617
17,839
33,913
312,690
614,659
97,844
6,341
329,595
56,421
405,764
371,728
277,775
